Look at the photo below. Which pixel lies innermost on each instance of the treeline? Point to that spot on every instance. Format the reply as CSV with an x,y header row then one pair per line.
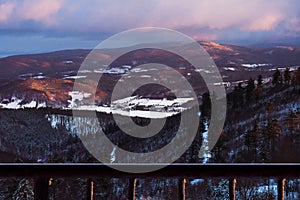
x,y
252,90
263,120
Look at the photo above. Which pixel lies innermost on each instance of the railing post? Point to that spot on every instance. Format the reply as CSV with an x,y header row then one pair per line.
x,y
280,188
131,189
182,189
41,188
89,189
232,186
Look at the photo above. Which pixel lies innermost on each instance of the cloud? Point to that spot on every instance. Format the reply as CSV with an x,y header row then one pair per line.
x,y
206,15
39,10
202,19
264,23
6,11
16,12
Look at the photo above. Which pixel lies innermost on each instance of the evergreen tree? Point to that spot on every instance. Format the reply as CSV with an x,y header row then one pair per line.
x,y
24,191
206,105
276,78
238,96
297,76
202,124
259,80
258,91
249,89
270,108
198,141
273,131
287,76
218,151
251,140
292,121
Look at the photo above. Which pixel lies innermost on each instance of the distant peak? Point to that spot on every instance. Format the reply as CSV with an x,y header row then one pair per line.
x,y
214,45
286,47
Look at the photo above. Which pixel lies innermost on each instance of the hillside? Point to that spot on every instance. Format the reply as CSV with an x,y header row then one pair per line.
x,y
262,121
47,79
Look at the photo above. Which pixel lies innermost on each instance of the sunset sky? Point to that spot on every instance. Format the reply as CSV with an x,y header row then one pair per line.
x,y
33,26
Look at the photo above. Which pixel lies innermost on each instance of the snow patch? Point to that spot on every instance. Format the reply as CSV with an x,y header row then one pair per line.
x,y
135,106
145,76
32,104
196,181
203,70
68,62
204,153
230,68
293,68
77,96
16,103
85,71
255,65
113,155
39,77
226,84
114,70
74,77
42,105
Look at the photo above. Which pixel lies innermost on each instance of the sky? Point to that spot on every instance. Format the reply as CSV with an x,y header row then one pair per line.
x,y
35,26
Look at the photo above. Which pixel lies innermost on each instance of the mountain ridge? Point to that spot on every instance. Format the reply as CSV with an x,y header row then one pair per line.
x,y
49,77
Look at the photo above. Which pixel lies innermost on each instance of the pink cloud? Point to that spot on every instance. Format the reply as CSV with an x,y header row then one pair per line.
x,y
40,10
117,15
264,23
6,11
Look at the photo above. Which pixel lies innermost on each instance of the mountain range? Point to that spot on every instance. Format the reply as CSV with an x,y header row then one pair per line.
x,y
48,78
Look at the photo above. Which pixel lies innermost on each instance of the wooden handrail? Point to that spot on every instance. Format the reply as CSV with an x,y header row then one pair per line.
x,y
42,172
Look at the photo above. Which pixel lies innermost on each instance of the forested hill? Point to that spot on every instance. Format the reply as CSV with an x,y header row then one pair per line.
x,y
263,121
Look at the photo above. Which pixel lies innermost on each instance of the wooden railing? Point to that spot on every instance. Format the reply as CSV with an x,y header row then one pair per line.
x,y
42,172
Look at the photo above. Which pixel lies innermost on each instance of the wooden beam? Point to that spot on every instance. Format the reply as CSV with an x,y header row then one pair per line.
x,y
132,188
89,189
280,188
173,170
182,188
232,188
41,186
